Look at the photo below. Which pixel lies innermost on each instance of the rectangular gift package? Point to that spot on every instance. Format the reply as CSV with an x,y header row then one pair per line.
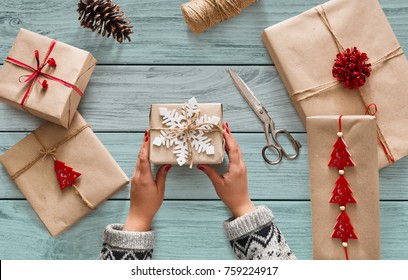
x,y
164,154
54,94
304,48
30,163
359,133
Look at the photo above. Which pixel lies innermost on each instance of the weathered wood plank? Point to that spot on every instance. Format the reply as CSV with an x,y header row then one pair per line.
x,y
161,35
185,230
265,182
118,98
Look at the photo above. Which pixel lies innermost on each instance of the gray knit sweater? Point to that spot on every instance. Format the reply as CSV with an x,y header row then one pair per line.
x,y
252,236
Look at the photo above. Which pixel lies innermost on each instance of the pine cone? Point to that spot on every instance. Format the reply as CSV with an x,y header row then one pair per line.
x,y
104,17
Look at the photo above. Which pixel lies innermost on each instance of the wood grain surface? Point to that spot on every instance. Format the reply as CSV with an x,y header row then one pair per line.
x,y
161,35
118,98
265,181
185,230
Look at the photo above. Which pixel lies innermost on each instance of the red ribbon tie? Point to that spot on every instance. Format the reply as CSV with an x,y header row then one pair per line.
x,y
35,76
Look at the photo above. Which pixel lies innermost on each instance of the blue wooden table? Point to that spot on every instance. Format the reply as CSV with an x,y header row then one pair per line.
x,y
166,63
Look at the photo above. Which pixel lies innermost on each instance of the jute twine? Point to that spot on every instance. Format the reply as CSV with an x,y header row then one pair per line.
x,y
322,88
202,14
44,152
299,96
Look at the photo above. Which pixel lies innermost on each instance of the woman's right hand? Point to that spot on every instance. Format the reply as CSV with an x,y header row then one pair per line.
x,y
231,187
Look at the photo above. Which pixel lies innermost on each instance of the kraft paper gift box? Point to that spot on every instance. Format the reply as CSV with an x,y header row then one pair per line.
x,y
175,151
64,83
30,163
359,133
303,50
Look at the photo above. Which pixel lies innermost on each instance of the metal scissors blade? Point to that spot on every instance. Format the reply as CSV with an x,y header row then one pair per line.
x,y
271,134
249,96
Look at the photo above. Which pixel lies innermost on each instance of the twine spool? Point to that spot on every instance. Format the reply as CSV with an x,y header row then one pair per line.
x,y
202,14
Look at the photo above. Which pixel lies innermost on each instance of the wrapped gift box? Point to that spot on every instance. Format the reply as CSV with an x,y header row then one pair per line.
x,y
359,133
305,55
168,134
31,163
53,95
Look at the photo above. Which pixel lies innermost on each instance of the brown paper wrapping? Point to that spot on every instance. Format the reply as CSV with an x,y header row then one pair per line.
x,y
58,210
305,55
57,103
162,155
359,132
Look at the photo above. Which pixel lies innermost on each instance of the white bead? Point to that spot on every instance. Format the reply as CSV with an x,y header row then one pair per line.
x,y
344,244
341,172
340,134
342,208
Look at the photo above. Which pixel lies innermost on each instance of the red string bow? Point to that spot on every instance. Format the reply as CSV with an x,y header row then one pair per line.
x,y
37,72
35,76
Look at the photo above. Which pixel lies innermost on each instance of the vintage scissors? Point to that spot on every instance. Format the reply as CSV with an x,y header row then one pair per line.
x,y
271,133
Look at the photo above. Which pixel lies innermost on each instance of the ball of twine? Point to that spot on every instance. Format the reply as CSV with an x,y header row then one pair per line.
x,y
202,14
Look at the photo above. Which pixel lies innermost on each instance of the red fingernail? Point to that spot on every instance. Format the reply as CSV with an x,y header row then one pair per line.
x,y
227,130
226,123
147,138
167,168
146,132
201,167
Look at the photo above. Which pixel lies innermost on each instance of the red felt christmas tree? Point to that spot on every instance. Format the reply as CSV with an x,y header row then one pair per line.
x,y
342,194
343,228
66,175
340,157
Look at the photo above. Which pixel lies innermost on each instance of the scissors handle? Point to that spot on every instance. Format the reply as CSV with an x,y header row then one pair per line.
x,y
295,144
274,148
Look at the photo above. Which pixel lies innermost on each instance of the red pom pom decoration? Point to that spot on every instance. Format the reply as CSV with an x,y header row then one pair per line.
x,y
351,68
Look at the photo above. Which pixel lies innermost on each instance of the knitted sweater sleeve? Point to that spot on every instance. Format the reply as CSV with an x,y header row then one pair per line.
x,y
254,236
126,245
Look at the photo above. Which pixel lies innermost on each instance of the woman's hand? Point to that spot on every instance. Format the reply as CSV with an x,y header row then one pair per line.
x,y
231,187
146,193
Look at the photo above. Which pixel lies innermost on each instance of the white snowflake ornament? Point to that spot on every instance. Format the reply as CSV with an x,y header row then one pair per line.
x,y
186,131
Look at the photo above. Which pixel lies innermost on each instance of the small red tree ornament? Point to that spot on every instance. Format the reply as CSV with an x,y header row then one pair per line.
x,y
342,194
343,228
340,157
351,68
66,175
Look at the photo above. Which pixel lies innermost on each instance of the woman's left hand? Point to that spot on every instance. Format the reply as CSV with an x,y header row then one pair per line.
x,y
146,193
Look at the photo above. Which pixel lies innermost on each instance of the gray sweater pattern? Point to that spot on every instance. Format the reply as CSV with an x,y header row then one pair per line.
x,y
252,236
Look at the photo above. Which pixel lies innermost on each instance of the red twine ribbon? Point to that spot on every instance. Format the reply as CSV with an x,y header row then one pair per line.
x,y
340,122
368,112
35,76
